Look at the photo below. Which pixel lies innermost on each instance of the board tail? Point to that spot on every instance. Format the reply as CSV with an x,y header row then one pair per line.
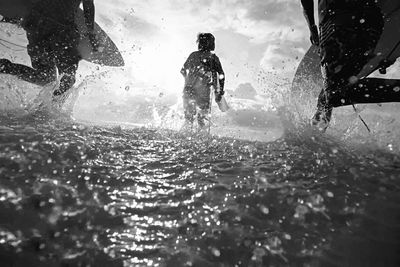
x,y
223,105
107,53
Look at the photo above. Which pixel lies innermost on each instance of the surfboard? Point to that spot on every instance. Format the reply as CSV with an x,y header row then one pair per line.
x,y
223,105
308,74
388,47
108,53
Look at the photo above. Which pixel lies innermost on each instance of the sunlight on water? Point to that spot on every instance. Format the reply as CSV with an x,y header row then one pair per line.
x,y
77,194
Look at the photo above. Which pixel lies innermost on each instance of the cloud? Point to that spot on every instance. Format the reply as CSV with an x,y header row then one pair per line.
x,y
158,35
259,20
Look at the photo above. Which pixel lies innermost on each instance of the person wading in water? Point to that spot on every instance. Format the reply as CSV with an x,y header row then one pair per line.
x,y
202,72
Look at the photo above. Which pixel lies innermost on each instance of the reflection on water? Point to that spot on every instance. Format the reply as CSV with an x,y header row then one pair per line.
x,y
76,195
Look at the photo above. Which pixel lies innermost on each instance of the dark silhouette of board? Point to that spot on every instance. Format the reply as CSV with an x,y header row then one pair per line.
x,y
108,53
388,47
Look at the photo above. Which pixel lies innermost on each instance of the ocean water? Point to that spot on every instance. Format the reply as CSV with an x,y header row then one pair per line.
x,y
79,194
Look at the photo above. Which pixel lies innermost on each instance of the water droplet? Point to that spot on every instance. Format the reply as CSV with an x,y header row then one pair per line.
x,y
216,252
264,209
301,211
353,79
258,253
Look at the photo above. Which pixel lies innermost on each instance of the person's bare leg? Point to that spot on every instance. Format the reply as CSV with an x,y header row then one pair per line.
x,y
189,106
201,117
40,76
204,106
68,79
323,114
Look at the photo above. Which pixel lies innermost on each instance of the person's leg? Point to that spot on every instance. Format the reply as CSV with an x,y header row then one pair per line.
x,y
67,58
68,78
189,105
40,73
43,68
323,114
202,116
344,52
203,102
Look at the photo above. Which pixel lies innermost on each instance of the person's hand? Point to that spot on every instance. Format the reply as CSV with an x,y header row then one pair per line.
x,y
57,92
4,65
384,64
94,41
314,36
218,96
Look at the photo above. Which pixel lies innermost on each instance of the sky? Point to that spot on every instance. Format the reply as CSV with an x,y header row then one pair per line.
x,y
253,38
258,41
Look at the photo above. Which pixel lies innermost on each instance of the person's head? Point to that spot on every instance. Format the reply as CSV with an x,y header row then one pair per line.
x,y
206,42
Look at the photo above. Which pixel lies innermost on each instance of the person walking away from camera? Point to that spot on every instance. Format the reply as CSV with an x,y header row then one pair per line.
x,y
203,73
53,40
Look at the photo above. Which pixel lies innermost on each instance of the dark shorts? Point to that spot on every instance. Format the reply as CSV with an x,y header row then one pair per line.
x,y
347,43
57,46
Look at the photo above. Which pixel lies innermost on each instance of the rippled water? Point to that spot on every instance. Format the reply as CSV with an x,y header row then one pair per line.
x,y
79,195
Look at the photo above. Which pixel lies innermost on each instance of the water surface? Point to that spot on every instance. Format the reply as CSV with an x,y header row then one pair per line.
x,y
78,195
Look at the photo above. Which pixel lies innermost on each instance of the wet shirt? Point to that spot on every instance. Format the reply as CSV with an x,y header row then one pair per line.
x,y
202,65
328,8
351,17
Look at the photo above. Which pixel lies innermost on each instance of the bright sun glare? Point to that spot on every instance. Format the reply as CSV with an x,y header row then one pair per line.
x,y
158,65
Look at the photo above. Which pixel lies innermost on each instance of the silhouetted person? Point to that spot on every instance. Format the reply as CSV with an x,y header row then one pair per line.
x,y
53,40
349,33
202,72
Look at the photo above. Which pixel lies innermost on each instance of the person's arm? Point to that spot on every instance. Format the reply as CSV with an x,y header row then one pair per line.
x,y
186,66
308,7
221,74
184,70
16,21
89,12
221,79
